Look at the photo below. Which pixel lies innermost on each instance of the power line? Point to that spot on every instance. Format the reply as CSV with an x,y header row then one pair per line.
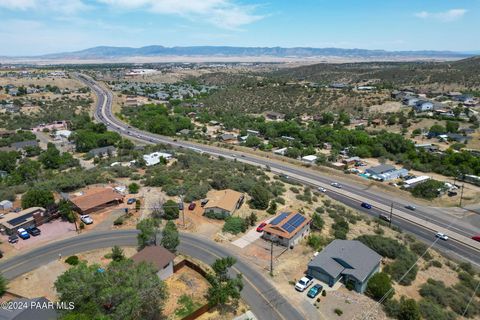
x,y
471,299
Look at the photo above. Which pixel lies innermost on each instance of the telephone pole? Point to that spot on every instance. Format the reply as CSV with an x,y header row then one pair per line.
x,y
461,195
271,257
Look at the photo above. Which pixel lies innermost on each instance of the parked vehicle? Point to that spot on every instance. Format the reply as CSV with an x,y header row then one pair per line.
x,y
442,236
192,206
476,238
13,238
131,200
22,233
203,202
384,217
304,283
314,291
180,206
336,185
366,205
410,207
261,226
322,189
86,219
34,231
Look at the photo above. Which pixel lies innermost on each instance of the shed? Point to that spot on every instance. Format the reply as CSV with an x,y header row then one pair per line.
x,y
159,257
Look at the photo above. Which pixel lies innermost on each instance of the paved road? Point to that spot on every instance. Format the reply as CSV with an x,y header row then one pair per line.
x,y
258,292
469,252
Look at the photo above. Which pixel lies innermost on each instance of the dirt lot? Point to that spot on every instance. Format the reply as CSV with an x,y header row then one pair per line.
x,y
40,282
62,83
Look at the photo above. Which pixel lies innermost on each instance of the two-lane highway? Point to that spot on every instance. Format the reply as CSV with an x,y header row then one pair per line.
x,y
464,250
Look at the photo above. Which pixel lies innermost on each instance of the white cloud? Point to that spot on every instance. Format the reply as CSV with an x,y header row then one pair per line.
x,y
445,16
61,6
222,13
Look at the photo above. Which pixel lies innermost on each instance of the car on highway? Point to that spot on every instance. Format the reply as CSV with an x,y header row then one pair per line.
x,y
13,238
86,219
442,236
366,205
314,291
476,238
322,189
34,231
336,185
131,200
410,207
384,217
304,283
22,233
261,226
192,206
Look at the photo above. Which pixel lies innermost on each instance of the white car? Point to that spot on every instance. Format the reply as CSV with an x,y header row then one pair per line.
x,y
442,236
336,185
86,219
304,283
322,189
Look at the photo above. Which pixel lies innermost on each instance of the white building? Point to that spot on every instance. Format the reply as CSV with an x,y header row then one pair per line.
x,y
310,159
6,204
63,134
281,151
414,181
154,158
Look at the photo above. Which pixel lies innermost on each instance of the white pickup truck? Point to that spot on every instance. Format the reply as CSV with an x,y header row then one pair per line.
x,y
304,283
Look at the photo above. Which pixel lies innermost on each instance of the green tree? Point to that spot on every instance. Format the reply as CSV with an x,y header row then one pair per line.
x,y
124,290
117,254
409,310
225,290
148,230
452,126
260,197
3,285
437,129
252,141
317,221
37,198
379,285
170,236
133,187
171,210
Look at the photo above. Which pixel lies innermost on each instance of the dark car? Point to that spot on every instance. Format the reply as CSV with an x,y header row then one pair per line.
x,y
203,202
180,206
314,291
366,205
131,200
384,217
192,206
34,231
13,238
476,238
410,207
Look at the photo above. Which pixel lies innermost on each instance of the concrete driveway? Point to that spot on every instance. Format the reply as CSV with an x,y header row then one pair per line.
x,y
251,236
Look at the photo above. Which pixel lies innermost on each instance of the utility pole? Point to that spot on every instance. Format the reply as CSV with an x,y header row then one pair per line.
x,y
271,257
461,195
391,213
183,210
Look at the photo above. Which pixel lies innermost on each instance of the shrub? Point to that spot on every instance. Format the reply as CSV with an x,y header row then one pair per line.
x,y
436,291
119,221
432,311
436,263
385,247
317,242
294,190
400,266
339,312
379,285
81,225
234,225
72,260
324,293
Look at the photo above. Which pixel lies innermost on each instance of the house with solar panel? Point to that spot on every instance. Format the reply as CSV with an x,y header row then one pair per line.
x,y
31,217
287,229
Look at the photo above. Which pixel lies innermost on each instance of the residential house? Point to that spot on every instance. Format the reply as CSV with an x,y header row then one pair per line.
x,y
423,106
57,125
287,229
37,308
385,172
21,145
6,204
253,132
103,151
351,161
65,134
460,138
159,257
348,261
96,199
223,203
281,151
427,147
30,217
410,183
184,132
310,159
228,137
154,158
275,116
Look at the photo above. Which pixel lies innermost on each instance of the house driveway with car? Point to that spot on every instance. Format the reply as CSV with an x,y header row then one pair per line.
x,y
50,231
250,237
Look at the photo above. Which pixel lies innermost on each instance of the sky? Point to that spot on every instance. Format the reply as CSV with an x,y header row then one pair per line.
x,y
34,27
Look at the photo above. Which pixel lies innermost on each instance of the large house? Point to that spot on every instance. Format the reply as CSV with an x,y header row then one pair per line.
x,y
385,172
223,203
96,199
287,229
159,257
273,115
103,151
31,217
348,261
154,158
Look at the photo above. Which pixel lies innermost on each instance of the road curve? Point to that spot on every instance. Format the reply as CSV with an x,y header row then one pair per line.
x,y
258,292
103,113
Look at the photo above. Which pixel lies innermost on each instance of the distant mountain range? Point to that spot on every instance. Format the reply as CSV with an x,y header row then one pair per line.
x,y
104,52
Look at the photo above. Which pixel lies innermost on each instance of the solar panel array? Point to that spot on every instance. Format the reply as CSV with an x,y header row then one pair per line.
x,y
293,222
279,219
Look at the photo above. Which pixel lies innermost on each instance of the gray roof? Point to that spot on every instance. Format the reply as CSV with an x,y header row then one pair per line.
x,y
381,168
346,257
102,150
24,144
36,309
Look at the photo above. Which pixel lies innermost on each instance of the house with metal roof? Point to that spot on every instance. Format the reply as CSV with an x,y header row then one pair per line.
x,y
348,261
385,172
287,229
103,151
223,203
